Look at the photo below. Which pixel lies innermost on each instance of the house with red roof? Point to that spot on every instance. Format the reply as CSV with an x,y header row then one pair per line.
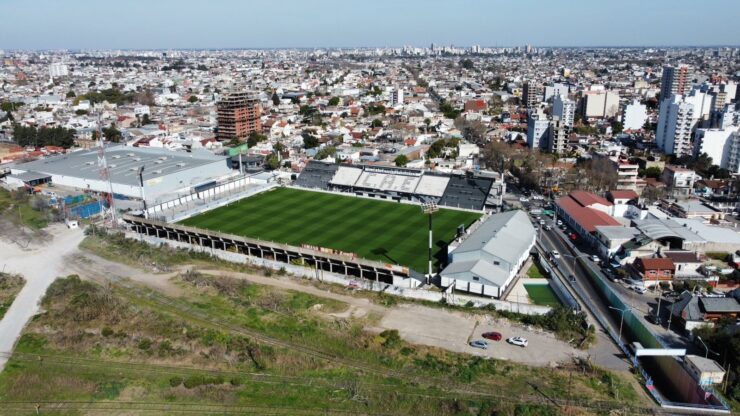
x,y
652,271
583,211
476,106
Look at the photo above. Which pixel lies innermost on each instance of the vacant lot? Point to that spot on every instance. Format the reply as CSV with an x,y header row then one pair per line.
x,y
377,230
10,285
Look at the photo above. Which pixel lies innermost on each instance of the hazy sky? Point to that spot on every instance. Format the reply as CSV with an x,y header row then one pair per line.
x,y
141,24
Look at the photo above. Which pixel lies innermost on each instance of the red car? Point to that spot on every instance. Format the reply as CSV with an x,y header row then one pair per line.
x,y
493,336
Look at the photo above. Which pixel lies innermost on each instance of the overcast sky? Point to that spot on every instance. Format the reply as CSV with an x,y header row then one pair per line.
x,y
155,24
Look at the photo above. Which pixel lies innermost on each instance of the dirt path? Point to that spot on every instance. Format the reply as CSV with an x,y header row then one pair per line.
x,y
40,264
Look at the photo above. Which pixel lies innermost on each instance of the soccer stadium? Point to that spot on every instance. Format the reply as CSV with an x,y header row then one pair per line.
x,y
363,221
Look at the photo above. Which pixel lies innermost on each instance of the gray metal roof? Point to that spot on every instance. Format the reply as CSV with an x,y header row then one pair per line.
x,y
30,176
720,305
506,236
123,163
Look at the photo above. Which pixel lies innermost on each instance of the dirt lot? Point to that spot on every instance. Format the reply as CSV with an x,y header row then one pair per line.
x,y
453,331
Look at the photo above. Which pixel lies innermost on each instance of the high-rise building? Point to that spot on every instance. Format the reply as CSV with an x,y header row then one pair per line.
x,y
599,104
537,130
675,123
733,158
675,81
634,116
557,135
238,116
531,94
564,109
556,89
716,143
58,69
396,96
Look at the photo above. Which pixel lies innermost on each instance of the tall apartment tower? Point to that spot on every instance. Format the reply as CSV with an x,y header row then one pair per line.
x,y
531,94
538,130
675,81
565,109
557,135
675,123
238,116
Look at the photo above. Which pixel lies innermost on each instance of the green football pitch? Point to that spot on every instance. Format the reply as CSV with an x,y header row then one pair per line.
x,y
372,229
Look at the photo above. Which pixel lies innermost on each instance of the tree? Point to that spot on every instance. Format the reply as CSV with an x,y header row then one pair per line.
x,y
310,141
652,172
334,101
376,123
54,136
145,119
467,64
112,133
275,99
617,127
255,138
272,162
70,94
325,152
401,160
193,99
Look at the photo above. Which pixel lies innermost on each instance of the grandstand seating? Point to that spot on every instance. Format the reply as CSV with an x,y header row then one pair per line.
x,y
456,191
317,175
466,192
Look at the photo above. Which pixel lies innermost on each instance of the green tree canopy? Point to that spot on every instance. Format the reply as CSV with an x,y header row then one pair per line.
x,y
310,141
401,160
334,101
193,99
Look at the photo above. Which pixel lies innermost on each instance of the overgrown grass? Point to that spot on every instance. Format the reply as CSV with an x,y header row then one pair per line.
x,y
174,355
542,294
10,285
19,207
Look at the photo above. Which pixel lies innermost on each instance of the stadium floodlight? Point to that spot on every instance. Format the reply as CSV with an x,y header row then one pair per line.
x,y
141,183
429,208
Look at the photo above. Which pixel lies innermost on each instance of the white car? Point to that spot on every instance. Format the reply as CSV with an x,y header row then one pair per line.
x,y
555,254
542,222
523,199
639,289
522,342
595,258
559,223
548,228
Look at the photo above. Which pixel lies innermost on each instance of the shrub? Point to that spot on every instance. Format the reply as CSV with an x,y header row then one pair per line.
x,y
391,338
175,381
145,344
106,332
235,381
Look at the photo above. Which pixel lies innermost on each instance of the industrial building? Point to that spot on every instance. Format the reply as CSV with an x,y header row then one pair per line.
x,y
489,259
165,172
238,116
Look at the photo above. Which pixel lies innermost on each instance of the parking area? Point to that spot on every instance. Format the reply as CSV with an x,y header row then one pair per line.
x,y
454,330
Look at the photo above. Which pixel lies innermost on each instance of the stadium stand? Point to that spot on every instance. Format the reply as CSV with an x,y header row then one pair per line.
x,y
466,192
456,191
317,175
432,185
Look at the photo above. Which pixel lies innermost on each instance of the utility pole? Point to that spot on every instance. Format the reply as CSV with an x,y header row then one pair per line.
x,y
429,208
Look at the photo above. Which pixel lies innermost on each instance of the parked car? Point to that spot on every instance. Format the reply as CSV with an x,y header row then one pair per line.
x,y
639,289
547,227
559,223
523,199
493,336
572,278
595,258
542,222
479,344
555,254
522,342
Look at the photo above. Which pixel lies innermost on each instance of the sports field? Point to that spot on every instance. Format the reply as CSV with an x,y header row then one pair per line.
x,y
542,295
372,229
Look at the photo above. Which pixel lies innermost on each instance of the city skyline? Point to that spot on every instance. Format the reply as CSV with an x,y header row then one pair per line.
x,y
227,24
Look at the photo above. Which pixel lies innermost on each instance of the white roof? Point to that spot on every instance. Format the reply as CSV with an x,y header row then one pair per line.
x,y
388,182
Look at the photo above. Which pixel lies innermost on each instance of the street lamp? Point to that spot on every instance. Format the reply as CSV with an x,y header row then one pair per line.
x,y
706,349
429,208
141,182
621,321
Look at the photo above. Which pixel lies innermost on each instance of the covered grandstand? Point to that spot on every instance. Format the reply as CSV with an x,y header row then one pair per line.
x,y
455,191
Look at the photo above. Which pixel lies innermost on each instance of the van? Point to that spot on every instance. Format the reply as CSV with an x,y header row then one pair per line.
x,y
72,224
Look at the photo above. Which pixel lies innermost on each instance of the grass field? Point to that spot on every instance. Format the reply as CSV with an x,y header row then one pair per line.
x,y
535,272
372,229
542,295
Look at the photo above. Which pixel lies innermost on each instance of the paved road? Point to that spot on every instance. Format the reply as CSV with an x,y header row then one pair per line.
x,y
605,352
40,266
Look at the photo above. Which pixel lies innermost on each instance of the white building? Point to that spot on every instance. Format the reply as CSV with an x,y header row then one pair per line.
x,y
140,110
487,261
634,116
537,130
58,69
565,109
396,97
716,143
555,90
675,123
733,158
600,104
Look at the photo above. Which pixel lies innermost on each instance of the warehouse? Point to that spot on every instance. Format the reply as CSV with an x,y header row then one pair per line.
x,y
165,172
489,259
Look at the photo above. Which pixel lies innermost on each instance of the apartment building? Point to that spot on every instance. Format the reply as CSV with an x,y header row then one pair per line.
x,y
675,122
238,116
676,80
565,109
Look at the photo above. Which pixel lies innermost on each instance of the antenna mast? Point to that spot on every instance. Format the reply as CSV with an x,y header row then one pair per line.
x,y
104,173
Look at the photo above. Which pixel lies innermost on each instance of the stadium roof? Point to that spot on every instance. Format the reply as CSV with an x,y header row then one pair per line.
x,y
123,163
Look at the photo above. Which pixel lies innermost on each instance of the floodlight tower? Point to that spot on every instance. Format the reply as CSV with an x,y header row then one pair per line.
x,y
104,172
429,208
